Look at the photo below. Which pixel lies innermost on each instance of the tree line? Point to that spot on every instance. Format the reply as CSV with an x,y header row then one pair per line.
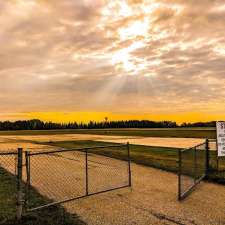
x,y
36,124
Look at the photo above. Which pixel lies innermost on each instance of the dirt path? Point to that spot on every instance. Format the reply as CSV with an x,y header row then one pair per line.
x,y
153,200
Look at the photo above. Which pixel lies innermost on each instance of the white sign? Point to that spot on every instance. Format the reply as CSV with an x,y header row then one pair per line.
x,y
220,128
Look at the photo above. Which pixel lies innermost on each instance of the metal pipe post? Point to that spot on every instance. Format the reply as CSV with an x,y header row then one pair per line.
x,y
195,164
207,156
129,162
86,170
19,208
179,175
28,177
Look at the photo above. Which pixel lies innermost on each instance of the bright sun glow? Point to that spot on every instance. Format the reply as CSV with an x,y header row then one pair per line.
x,y
123,59
135,29
134,32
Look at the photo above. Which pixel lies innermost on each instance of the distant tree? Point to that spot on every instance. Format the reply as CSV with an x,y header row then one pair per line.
x,y
36,124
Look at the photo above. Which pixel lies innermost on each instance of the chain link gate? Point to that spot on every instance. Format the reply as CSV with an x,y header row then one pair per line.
x,y
193,168
66,175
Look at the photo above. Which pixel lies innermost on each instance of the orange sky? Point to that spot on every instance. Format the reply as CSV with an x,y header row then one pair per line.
x,y
126,59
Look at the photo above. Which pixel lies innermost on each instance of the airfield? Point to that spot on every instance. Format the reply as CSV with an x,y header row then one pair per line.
x,y
152,198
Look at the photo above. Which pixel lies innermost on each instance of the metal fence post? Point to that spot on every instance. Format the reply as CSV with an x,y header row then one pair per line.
x,y
195,165
179,175
19,208
207,156
86,170
16,159
28,177
129,162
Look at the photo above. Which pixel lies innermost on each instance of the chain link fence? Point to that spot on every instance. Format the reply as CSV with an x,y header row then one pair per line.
x,y
197,163
65,175
216,170
192,168
8,184
34,180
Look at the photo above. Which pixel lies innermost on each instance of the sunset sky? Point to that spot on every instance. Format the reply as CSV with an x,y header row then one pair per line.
x,y
65,60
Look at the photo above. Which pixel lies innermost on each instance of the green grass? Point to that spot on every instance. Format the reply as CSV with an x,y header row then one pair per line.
x,y
154,132
55,215
7,195
158,157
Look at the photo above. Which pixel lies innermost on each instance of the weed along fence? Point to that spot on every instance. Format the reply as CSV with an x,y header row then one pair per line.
x,y
65,175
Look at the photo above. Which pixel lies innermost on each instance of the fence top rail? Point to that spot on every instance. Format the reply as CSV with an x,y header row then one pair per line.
x,y
212,140
8,153
75,149
196,146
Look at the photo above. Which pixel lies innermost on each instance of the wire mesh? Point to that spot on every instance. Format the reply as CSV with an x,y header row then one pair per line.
x,y
108,168
213,160
216,164
200,164
186,170
57,176
192,168
65,175
8,185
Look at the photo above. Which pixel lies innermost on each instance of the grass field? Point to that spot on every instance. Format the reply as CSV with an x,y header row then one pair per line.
x,y
158,157
154,132
54,215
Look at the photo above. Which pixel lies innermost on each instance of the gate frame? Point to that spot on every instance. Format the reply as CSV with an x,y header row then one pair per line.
x,y
182,196
87,194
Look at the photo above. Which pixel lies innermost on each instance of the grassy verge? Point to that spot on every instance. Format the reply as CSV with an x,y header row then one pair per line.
x,y
55,215
154,132
158,157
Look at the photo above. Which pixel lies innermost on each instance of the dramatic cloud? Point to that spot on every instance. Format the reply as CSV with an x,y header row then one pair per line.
x,y
121,56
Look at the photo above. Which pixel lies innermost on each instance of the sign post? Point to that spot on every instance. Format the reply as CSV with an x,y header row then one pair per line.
x,y
220,130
